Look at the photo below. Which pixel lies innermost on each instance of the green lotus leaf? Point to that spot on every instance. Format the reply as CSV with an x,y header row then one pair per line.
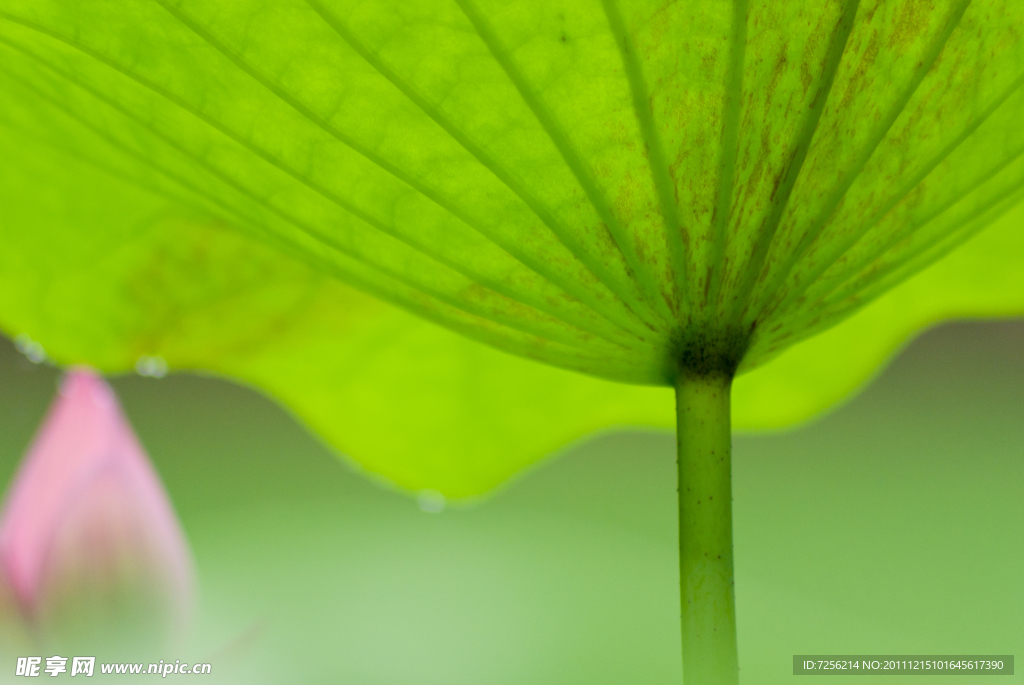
x,y
614,189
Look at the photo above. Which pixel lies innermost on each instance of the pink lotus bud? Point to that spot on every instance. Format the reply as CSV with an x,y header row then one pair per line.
x,y
88,537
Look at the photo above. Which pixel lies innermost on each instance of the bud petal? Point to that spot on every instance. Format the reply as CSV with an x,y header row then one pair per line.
x,y
88,534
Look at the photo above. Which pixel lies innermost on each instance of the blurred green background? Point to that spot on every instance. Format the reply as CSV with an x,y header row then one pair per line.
x,y
892,525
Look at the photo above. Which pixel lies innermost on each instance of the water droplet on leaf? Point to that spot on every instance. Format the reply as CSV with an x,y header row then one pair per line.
x,y
30,348
431,501
151,366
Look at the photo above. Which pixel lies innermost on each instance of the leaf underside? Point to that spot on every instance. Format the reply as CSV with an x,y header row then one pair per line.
x,y
622,189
